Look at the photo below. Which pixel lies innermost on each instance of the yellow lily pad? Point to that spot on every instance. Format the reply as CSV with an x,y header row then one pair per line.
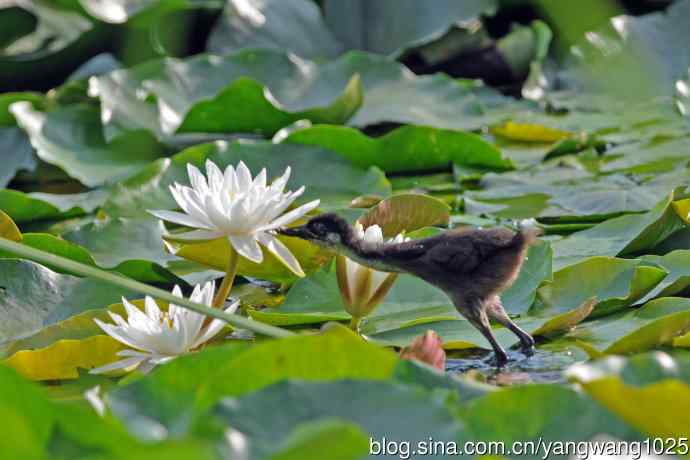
x,y
62,359
8,229
682,208
529,132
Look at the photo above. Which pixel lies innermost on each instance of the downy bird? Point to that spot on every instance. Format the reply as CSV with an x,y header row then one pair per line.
x,y
471,266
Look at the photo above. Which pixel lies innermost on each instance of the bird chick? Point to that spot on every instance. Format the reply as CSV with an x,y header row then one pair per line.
x,y
472,266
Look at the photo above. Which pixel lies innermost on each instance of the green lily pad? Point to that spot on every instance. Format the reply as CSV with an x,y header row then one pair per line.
x,y
292,25
249,91
635,389
121,11
137,268
616,283
655,324
378,408
33,297
71,138
458,334
620,236
30,207
409,148
390,26
536,412
172,395
677,264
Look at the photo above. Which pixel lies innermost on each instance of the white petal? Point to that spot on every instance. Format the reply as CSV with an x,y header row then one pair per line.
x,y
215,177
214,327
244,176
377,279
280,183
260,179
373,234
278,249
291,216
117,365
152,309
216,214
230,180
196,179
196,235
117,333
179,218
247,247
135,317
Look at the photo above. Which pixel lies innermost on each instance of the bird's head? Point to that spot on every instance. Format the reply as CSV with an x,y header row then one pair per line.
x,y
328,230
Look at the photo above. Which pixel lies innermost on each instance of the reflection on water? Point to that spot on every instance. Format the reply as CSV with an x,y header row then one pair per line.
x,y
545,366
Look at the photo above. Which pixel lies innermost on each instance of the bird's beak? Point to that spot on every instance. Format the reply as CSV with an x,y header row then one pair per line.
x,y
297,232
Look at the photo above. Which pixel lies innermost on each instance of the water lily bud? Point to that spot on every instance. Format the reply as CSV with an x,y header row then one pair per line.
x,y
427,348
363,288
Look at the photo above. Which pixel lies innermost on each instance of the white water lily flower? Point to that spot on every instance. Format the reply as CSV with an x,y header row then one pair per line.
x,y
157,336
361,287
232,204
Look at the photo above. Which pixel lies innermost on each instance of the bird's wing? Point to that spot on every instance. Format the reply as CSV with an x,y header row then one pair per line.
x,y
459,257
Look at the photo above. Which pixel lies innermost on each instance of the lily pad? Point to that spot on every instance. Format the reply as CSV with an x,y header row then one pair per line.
x,y
62,359
390,26
616,283
459,334
140,269
30,207
8,229
378,408
620,236
292,25
636,387
257,91
535,412
71,138
677,264
121,11
33,297
172,396
409,148
406,213
655,324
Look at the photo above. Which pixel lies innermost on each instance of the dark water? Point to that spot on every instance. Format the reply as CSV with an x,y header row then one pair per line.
x,y
546,365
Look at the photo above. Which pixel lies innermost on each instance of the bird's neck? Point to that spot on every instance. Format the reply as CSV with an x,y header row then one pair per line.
x,y
365,253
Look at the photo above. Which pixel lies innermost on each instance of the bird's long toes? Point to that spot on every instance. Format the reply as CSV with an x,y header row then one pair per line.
x,y
527,350
498,360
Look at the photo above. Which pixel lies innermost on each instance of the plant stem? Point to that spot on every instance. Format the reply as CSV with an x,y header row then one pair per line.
x,y
354,323
226,285
77,268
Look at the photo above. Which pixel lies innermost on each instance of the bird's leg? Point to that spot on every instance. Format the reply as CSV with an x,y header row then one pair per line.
x,y
475,313
495,311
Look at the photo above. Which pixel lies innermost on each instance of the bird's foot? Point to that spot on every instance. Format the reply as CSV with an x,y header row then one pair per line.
x,y
499,359
527,350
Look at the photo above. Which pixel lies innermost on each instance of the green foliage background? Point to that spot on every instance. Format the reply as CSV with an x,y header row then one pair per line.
x,y
499,110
